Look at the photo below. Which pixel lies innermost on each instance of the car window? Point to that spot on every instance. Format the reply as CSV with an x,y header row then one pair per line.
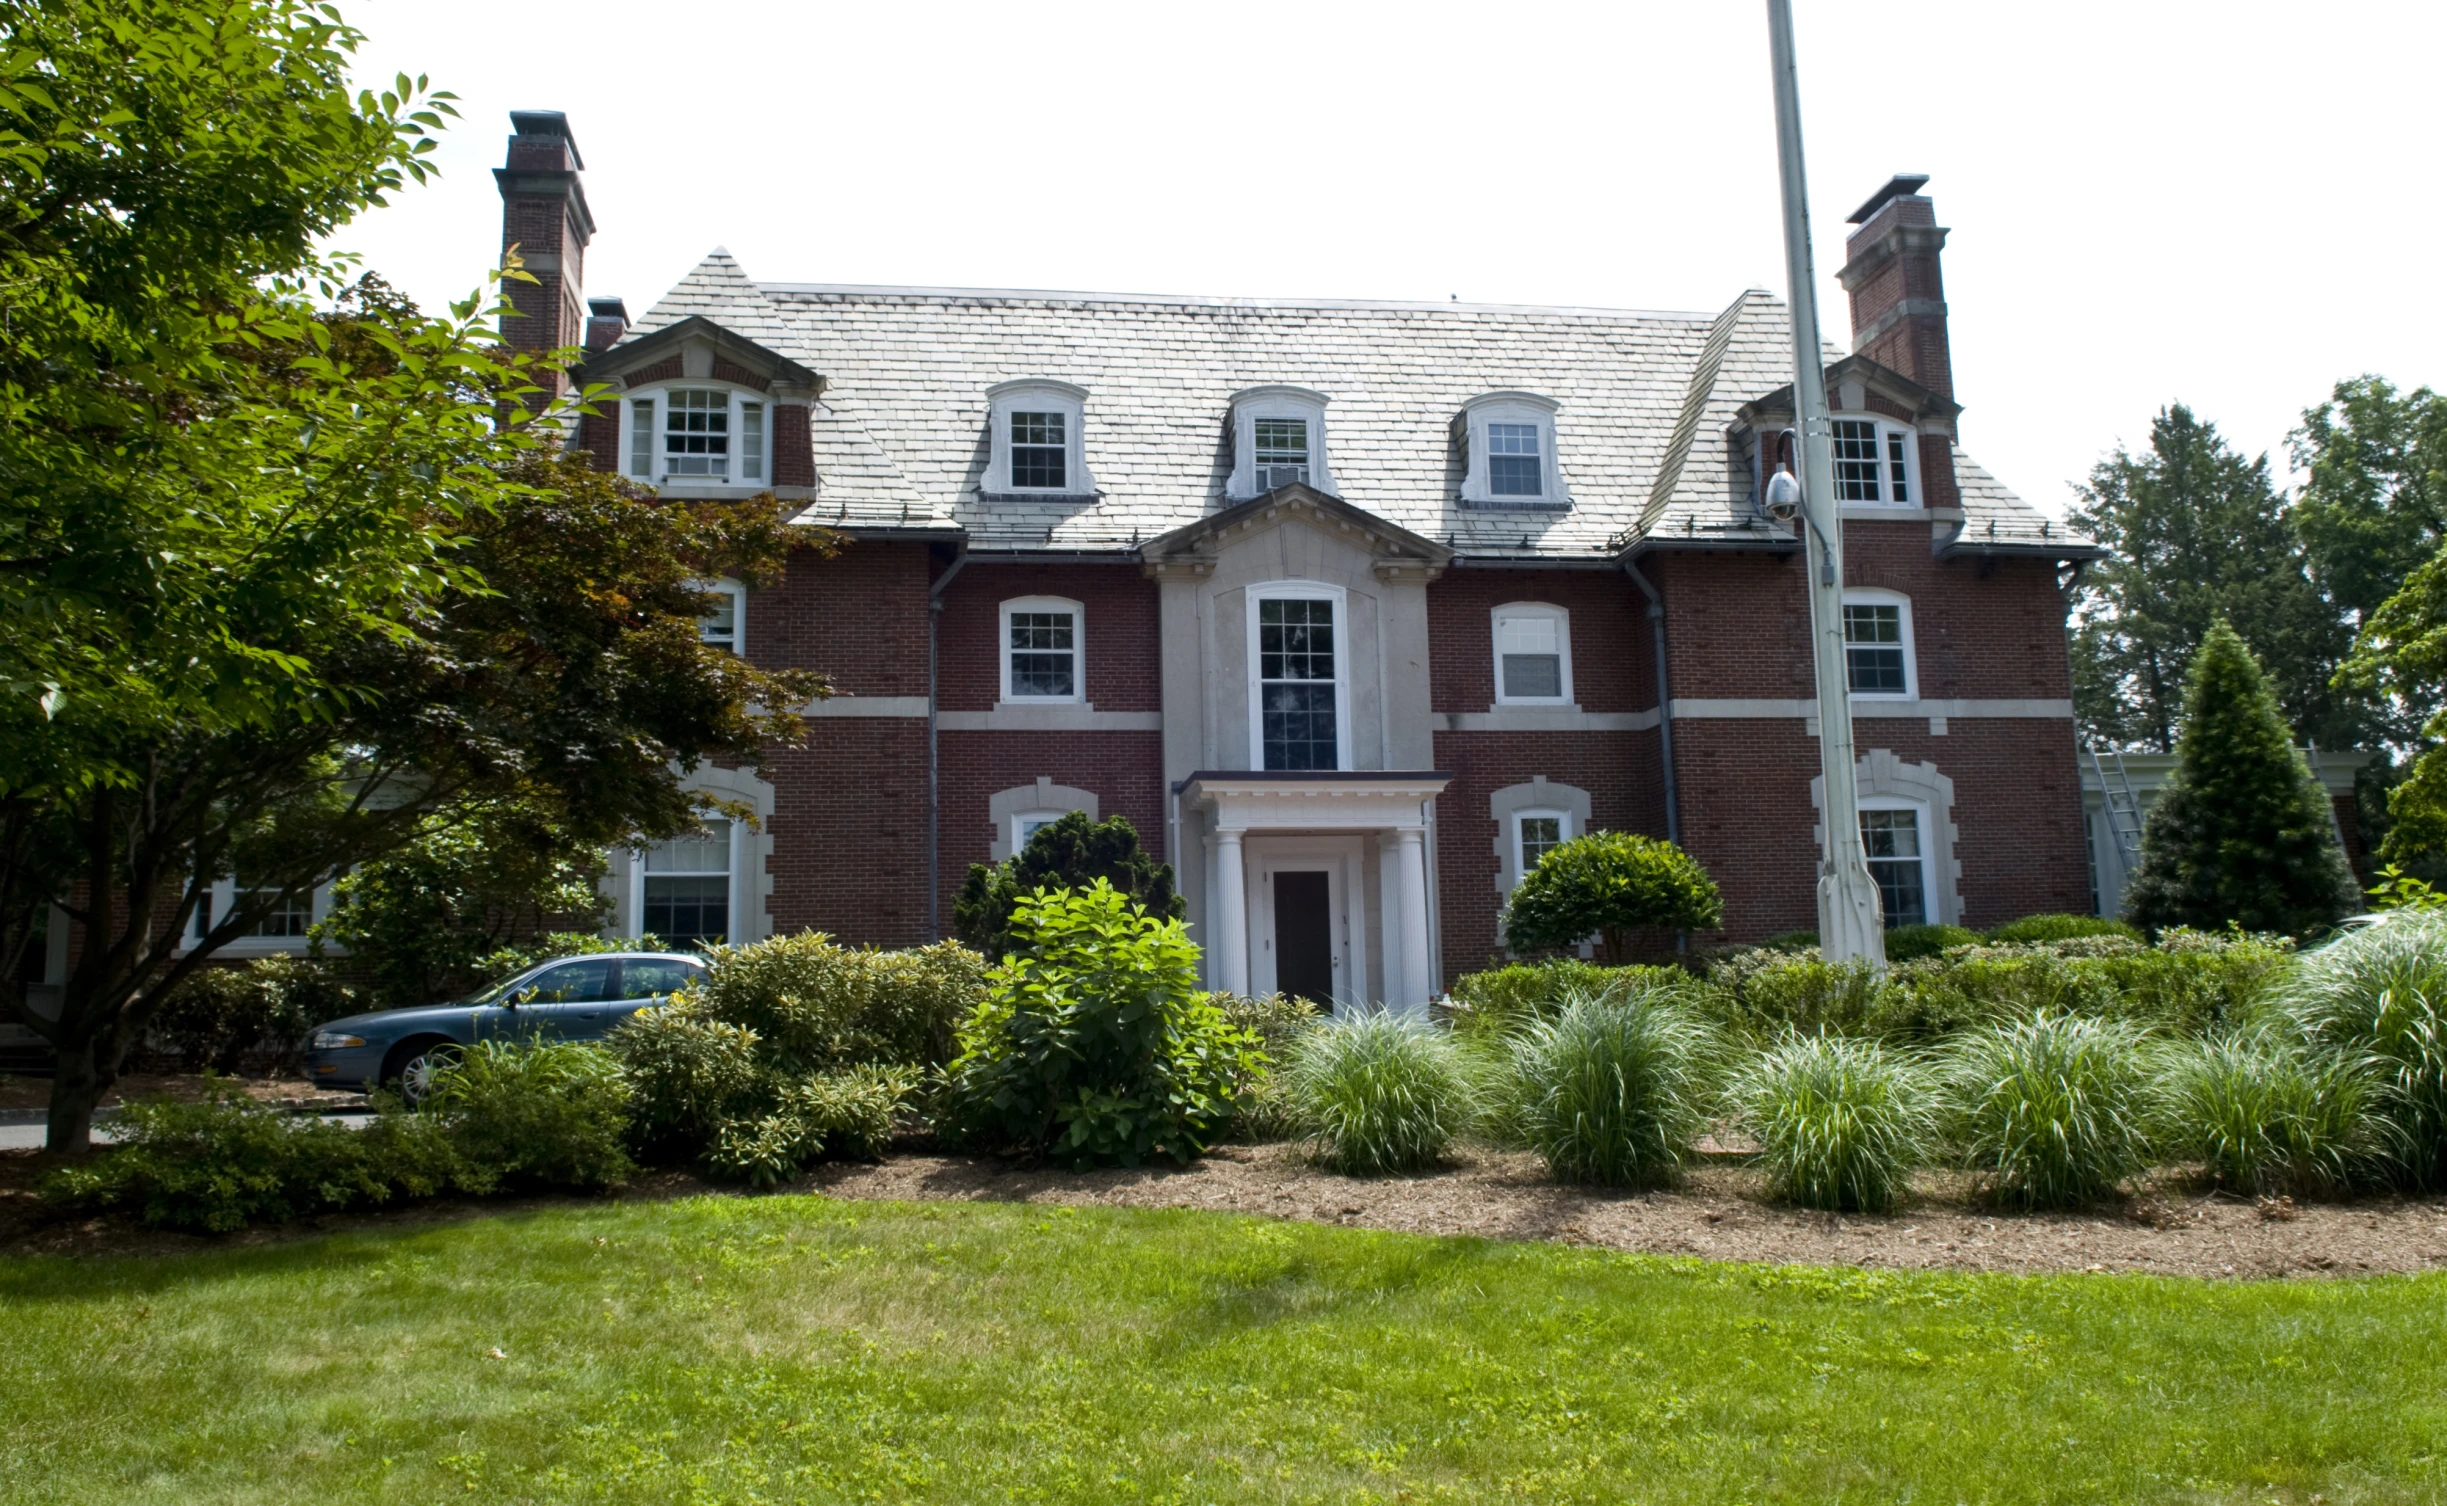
x,y
653,977
586,982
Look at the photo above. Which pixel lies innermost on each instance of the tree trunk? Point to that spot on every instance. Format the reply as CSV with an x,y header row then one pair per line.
x,y
78,1082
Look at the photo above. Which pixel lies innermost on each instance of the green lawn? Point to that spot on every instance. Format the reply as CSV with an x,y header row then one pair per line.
x,y
794,1349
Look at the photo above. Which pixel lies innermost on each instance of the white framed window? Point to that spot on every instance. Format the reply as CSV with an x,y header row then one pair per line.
x,y
1044,651
1508,444
1278,439
1876,463
1038,448
1299,678
1027,824
1533,654
1895,842
697,436
684,885
1878,658
1535,833
725,626
282,930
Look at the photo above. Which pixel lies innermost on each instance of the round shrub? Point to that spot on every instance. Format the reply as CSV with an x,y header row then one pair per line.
x,y
2052,1111
2264,1113
1608,884
2381,990
1614,1089
1841,1122
1906,943
1381,1092
2032,930
817,1005
218,1015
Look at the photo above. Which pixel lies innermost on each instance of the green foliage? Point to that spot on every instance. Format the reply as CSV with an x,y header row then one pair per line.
x,y
1382,1092
1765,992
1615,1088
2242,833
1094,1043
2052,1111
552,1114
1492,1004
1608,884
819,1006
2266,1113
2198,535
220,1014
1841,1122
2033,929
2401,656
850,1113
1791,941
423,922
506,962
2399,890
2380,991
1278,1020
688,1074
1069,853
1907,943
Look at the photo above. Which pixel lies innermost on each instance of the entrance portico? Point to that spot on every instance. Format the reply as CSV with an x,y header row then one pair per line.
x,y
1283,846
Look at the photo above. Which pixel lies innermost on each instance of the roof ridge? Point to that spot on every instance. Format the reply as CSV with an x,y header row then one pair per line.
x,y
852,290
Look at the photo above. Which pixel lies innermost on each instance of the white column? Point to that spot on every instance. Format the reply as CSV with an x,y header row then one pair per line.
x,y
1388,920
1229,904
1411,859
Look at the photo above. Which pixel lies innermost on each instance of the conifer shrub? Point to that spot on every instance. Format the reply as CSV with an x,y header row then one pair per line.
x,y
2243,833
2265,1112
1382,1092
2380,990
2052,1111
1094,1043
1610,885
1071,852
1841,1121
1615,1088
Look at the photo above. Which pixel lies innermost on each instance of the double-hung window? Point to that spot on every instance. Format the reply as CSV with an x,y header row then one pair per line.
x,y
1035,427
1039,452
725,625
685,888
1513,466
697,435
1897,854
1537,833
1873,462
1044,650
1298,690
1533,655
1509,459
1282,452
1279,439
1878,644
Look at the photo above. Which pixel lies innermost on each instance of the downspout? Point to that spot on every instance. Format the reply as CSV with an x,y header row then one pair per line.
x,y
934,761
1665,702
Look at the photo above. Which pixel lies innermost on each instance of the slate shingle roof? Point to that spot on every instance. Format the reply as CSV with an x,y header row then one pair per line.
x,y
900,437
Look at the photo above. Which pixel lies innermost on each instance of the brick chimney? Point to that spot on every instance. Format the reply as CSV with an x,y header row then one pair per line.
x,y
607,319
544,214
1898,300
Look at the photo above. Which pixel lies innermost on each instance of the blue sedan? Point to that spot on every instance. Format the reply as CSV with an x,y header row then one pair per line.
x,y
566,999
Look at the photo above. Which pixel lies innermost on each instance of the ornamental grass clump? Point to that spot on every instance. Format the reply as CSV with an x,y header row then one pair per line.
x,y
2051,1111
2381,990
2264,1112
1841,1121
1381,1092
1614,1090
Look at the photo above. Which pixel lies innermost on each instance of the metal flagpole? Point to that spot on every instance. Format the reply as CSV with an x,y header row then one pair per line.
x,y
1849,923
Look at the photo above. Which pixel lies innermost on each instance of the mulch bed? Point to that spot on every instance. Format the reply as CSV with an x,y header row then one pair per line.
x,y
2164,1228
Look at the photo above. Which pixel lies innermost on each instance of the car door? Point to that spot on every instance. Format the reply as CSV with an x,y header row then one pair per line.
x,y
567,1001
648,981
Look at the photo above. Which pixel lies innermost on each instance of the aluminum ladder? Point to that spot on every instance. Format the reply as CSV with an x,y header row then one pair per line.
x,y
2123,807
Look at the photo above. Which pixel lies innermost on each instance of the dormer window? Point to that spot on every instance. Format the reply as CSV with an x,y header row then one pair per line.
x,y
1036,426
1873,463
697,435
1508,445
1278,439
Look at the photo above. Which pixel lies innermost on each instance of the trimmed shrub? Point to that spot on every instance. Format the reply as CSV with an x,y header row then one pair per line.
x,y
2266,1113
219,1015
1608,884
818,1006
554,1114
1763,993
2381,990
1093,1043
1614,1089
1841,1122
2051,1112
1906,943
2032,929
1791,941
1494,1003
1381,1092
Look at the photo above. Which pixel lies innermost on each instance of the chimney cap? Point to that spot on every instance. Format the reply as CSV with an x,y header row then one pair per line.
x,y
1901,185
612,307
546,123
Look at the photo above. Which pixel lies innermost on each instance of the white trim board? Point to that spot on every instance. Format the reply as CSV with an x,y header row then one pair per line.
x,y
1871,708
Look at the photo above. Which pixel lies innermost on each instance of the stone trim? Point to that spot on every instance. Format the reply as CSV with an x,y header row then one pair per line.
x,y
751,880
1880,772
1538,794
1044,795
1549,719
1083,718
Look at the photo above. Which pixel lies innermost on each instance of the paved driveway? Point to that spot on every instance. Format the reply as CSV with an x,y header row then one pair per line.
x,y
21,1133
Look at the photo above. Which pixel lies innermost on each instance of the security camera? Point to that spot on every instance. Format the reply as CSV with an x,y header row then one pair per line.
x,y
1783,496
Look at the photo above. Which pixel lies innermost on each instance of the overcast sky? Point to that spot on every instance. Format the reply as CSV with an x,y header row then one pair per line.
x,y
2229,205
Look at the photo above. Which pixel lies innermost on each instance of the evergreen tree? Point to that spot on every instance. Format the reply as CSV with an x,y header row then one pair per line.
x,y
1071,853
2243,832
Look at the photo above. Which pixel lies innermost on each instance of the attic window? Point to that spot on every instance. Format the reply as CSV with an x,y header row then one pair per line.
x,y
1873,462
1508,451
1282,452
693,436
1279,438
1036,426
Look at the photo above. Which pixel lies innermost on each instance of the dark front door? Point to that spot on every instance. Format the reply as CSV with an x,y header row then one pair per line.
x,y
1304,937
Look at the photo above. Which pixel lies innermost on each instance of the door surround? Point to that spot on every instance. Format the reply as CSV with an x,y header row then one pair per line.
x,y
1342,859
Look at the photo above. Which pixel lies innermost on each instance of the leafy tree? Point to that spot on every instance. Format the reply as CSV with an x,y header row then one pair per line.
x,y
2200,535
1070,853
421,921
1607,884
2402,656
2242,833
2374,507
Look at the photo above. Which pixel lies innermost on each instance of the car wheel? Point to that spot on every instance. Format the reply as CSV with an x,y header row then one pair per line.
x,y
418,1064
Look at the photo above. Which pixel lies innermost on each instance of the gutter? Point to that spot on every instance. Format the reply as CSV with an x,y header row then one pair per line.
x,y
934,760
1665,702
